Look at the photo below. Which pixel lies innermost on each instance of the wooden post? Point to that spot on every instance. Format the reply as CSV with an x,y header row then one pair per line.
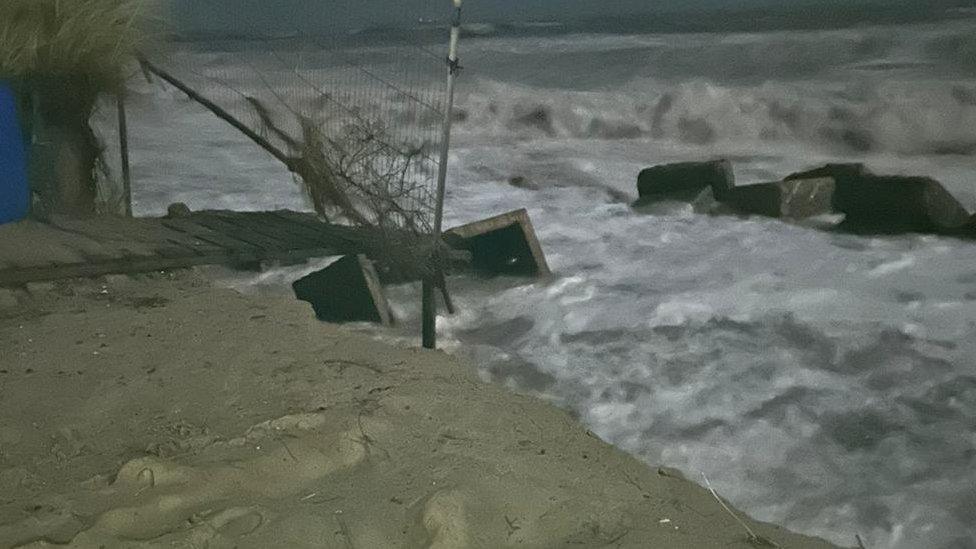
x,y
429,315
124,148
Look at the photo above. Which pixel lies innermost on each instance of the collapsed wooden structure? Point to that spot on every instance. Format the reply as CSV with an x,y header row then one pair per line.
x,y
350,289
65,247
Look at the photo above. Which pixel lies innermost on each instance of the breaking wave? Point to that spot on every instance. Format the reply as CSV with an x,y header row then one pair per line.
x,y
909,118
902,90
823,381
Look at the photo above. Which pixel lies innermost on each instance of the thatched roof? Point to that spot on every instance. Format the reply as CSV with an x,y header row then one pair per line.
x,y
92,38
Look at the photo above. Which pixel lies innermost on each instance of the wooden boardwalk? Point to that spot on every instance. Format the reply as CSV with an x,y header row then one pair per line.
x,y
62,248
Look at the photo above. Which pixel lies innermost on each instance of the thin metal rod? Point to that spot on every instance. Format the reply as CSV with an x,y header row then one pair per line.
x,y
429,305
219,112
124,148
452,71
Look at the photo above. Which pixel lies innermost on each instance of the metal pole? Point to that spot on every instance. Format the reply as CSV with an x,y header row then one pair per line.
x,y
453,67
124,148
429,308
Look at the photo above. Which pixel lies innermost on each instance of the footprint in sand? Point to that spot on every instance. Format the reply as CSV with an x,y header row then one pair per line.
x,y
161,497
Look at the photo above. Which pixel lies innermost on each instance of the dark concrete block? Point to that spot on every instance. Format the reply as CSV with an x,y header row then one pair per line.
x,y
505,244
892,204
349,290
794,199
685,181
841,173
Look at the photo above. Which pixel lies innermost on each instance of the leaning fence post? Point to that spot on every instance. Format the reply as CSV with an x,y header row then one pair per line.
x,y
435,279
124,148
429,313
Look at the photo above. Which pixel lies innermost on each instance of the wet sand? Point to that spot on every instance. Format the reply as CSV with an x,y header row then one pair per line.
x,y
164,412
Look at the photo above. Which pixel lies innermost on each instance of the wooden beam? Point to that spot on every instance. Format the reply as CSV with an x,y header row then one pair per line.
x,y
128,265
206,234
81,248
253,221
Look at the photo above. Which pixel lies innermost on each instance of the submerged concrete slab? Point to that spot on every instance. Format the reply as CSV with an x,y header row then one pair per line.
x,y
793,199
504,244
348,290
892,204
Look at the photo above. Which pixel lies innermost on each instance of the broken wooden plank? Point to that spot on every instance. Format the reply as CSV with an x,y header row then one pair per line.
x,y
262,225
135,236
311,222
32,244
345,239
69,248
127,265
135,264
306,218
206,234
317,236
333,231
293,257
239,232
155,228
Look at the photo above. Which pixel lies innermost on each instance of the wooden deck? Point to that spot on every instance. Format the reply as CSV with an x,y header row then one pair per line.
x,y
62,248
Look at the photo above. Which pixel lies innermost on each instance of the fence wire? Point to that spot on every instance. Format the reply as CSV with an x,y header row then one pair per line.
x,y
357,115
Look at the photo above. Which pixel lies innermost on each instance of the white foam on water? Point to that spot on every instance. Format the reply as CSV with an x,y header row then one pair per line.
x,y
885,269
787,363
823,381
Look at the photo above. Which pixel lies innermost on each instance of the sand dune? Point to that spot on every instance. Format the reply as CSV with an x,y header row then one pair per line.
x,y
162,412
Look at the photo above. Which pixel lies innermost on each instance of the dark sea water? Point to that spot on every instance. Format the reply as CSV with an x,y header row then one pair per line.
x,y
823,381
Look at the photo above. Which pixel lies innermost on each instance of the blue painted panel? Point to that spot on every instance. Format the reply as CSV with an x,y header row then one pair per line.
x,y
14,188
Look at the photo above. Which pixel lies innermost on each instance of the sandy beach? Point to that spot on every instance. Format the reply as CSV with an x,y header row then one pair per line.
x,y
165,412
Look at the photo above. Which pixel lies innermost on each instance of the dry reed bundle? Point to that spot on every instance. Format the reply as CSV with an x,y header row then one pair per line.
x,y
94,39
60,56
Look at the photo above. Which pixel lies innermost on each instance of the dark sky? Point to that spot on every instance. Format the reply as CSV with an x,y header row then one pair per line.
x,y
307,15
359,13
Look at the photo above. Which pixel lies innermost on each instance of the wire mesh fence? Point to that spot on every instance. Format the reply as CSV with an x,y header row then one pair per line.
x,y
354,117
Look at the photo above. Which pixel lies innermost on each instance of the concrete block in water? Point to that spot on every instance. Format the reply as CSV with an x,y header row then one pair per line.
x,y
685,181
348,290
504,244
891,204
794,199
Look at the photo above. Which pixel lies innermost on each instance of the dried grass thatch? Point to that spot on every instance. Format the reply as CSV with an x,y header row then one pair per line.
x,y
94,39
